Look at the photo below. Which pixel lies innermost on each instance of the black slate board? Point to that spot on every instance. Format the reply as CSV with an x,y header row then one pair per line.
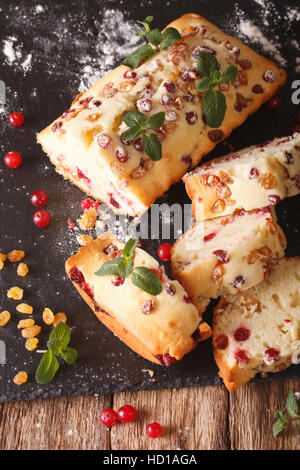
x,y
104,364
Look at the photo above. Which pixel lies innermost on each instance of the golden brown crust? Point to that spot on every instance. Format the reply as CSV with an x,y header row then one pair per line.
x,y
167,171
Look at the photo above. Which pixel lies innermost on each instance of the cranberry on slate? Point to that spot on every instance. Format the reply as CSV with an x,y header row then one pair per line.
x,y
154,430
16,119
41,218
13,159
164,251
127,414
221,341
273,103
241,334
39,198
109,417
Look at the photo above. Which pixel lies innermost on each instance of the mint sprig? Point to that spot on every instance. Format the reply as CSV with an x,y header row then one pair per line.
x,y
158,39
57,344
292,409
214,101
139,124
123,266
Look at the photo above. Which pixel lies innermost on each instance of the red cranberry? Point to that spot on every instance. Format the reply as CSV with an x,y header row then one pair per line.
x,y
104,141
81,175
191,117
164,251
56,126
187,160
125,141
16,119
117,281
287,320
171,116
144,105
88,289
269,76
273,103
86,204
272,355
188,97
147,307
295,128
122,154
186,299
71,223
110,250
41,218
76,276
273,199
169,86
186,75
113,202
215,135
109,417
296,180
245,64
199,49
241,334
241,356
238,282
170,290
209,237
129,74
253,173
127,414
166,359
39,198
289,159
154,430
221,341
166,101
13,159
221,255
257,89
138,145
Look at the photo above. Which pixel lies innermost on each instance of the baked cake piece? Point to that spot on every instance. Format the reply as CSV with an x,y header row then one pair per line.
x,y
258,330
254,177
86,143
161,328
227,254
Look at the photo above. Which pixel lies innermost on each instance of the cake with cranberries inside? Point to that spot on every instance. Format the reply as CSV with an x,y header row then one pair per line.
x,y
254,177
89,143
227,254
258,330
150,313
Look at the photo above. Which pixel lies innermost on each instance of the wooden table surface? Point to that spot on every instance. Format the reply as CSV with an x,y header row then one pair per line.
x,y
192,418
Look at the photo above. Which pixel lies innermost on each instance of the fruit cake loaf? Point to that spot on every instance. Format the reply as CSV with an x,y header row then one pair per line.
x,y
161,328
254,177
86,143
258,330
227,254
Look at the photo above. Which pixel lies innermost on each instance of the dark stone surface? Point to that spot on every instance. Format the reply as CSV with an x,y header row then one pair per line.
x,y
104,364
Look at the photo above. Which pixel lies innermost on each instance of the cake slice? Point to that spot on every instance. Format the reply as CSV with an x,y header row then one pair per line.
x,y
227,254
258,330
86,143
162,328
254,177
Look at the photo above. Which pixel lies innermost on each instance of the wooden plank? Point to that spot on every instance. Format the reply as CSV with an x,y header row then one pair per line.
x,y
251,416
192,418
60,423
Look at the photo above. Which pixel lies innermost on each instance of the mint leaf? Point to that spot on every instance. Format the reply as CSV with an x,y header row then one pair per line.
x,y
47,368
134,59
110,267
146,23
132,133
279,426
152,146
125,267
135,119
205,84
207,64
154,37
156,121
169,37
228,74
129,248
292,405
69,355
59,338
214,107
146,280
